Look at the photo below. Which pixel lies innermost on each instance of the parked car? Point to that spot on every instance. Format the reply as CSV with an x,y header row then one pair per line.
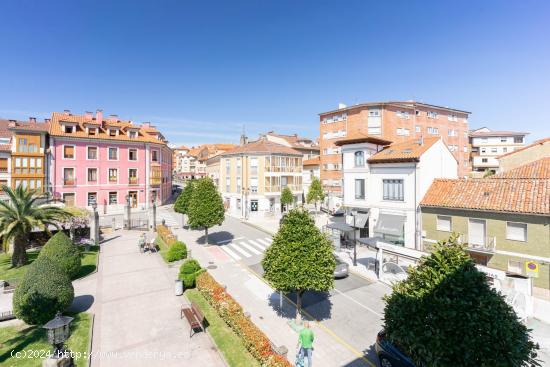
x,y
338,212
388,354
342,268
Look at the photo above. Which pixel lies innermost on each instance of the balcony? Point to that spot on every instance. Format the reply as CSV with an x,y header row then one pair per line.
x,y
155,181
487,246
277,188
69,181
132,180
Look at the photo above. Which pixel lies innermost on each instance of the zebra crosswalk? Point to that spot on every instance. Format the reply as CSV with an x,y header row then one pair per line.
x,y
242,248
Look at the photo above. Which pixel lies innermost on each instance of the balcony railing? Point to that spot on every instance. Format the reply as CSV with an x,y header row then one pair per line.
x,y
296,169
69,181
277,188
133,180
3,169
488,244
155,181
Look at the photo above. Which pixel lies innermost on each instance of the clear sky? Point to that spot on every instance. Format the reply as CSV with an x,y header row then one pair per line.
x,y
200,70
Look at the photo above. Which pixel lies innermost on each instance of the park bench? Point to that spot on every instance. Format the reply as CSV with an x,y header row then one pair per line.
x,y
194,317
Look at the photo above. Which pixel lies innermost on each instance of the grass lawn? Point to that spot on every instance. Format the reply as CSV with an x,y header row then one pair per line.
x,y
89,261
26,338
226,340
163,249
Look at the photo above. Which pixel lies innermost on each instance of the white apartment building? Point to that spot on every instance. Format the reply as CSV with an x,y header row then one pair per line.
x,y
311,169
488,145
383,188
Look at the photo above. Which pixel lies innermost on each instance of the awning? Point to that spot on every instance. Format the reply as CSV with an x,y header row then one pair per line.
x,y
391,224
339,226
361,219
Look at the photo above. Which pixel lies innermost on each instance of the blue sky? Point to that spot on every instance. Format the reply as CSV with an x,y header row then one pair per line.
x,y
200,70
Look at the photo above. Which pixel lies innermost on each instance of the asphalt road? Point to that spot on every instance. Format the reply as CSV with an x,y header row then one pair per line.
x,y
352,310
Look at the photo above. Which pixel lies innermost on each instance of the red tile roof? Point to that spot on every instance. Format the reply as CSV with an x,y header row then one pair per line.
x,y
538,142
361,137
407,151
534,170
7,126
262,147
526,196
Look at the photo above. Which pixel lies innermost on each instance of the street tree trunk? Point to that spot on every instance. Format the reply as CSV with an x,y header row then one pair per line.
x,y
299,306
19,256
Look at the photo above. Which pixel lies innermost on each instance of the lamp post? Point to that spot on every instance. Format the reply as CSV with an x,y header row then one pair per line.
x,y
154,202
245,202
354,240
128,211
58,332
96,224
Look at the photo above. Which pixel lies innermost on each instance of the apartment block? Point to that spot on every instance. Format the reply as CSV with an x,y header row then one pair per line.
x,y
395,121
488,145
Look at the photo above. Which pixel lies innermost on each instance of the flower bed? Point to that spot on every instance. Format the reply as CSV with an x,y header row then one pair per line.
x,y
166,235
254,340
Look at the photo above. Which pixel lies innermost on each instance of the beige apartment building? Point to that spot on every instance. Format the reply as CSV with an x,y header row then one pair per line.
x,y
253,175
395,121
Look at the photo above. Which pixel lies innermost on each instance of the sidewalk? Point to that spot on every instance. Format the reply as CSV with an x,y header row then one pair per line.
x,y
262,302
137,317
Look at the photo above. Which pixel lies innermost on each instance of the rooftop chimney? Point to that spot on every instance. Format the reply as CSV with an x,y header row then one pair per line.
x,y
99,116
32,119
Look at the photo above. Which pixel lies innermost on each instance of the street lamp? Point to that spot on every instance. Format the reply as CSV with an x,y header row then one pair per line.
x,y
128,211
354,239
245,202
154,202
58,332
96,224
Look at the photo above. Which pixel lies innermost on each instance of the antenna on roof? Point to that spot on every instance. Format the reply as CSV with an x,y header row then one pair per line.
x,y
244,139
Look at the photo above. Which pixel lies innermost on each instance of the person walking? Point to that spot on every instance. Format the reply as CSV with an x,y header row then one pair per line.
x,y
305,343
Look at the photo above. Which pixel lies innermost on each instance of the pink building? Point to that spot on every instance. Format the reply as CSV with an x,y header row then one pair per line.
x,y
93,159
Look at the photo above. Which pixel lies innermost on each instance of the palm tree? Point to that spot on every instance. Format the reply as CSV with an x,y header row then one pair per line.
x,y
20,215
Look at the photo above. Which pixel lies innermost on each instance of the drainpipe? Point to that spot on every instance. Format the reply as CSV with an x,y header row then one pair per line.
x,y
416,232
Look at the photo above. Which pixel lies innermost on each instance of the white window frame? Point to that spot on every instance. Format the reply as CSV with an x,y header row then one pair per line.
x,y
137,155
117,176
63,152
88,197
520,267
158,155
515,239
69,193
109,155
109,197
441,228
97,174
137,175
97,152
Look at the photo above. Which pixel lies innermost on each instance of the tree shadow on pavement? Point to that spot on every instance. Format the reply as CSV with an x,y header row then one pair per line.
x,y
82,303
216,238
314,304
370,359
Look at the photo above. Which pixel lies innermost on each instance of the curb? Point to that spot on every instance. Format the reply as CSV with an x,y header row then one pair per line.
x,y
91,335
258,227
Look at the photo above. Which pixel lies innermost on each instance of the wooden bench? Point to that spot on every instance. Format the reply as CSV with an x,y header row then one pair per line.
x,y
194,317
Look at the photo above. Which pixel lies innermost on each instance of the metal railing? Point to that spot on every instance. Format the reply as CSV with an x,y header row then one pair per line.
x,y
488,245
69,181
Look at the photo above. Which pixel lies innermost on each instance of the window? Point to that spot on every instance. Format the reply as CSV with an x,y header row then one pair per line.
x,y
432,115
360,189
33,148
374,121
374,113
92,198
113,132
132,154
132,134
132,176
92,153
155,155
113,154
514,266
68,129
484,140
393,190
433,130
359,159
484,160
68,176
417,128
403,132
452,117
465,149
113,175
402,114
494,150
253,205
254,185
254,166
516,231
444,223
518,139
3,164
451,132
68,151
92,131
503,140
238,184
113,198
227,167
504,149
92,174
228,184
68,199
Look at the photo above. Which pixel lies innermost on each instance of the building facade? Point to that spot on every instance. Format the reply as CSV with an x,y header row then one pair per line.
x,y
530,153
108,162
488,145
503,222
392,121
383,187
311,169
253,175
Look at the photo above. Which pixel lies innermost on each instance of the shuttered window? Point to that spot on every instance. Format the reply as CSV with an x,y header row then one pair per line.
x,y
68,152
516,231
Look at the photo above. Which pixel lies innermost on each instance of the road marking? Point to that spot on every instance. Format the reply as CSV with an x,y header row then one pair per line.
x,y
358,303
235,247
231,253
264,242
250,248
261,247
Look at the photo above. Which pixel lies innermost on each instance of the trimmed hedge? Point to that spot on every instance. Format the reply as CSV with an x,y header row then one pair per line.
x,y
166,235
44,290
189,271
176,252
61,250
254,340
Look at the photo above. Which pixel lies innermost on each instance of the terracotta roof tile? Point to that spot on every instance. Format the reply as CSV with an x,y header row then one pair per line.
x,y
525,196
538,142
144,132
7,125
312,161
407,151
361,137
262,147
534,170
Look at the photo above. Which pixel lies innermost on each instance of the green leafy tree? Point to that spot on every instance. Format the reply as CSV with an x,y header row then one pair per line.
x,y
206,206
488,173
44,290
286,197
176,252
189,271
21,214
61,250
300,258
446,311
315,193
182,202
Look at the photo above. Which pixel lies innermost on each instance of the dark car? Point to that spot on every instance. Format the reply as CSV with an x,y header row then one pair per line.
x,y
389,355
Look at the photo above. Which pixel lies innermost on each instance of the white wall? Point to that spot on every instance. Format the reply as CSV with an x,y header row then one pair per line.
x,y
436,162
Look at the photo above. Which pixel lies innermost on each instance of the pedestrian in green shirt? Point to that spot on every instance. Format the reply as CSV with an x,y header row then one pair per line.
x,y
305,343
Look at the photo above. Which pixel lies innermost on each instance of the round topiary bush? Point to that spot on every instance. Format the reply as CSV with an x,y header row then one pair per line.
x,y
44,290
188,272
176,252
62,251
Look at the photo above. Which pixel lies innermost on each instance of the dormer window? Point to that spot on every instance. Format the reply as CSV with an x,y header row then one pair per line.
x,y
113,132
92,131
68,129
132,134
